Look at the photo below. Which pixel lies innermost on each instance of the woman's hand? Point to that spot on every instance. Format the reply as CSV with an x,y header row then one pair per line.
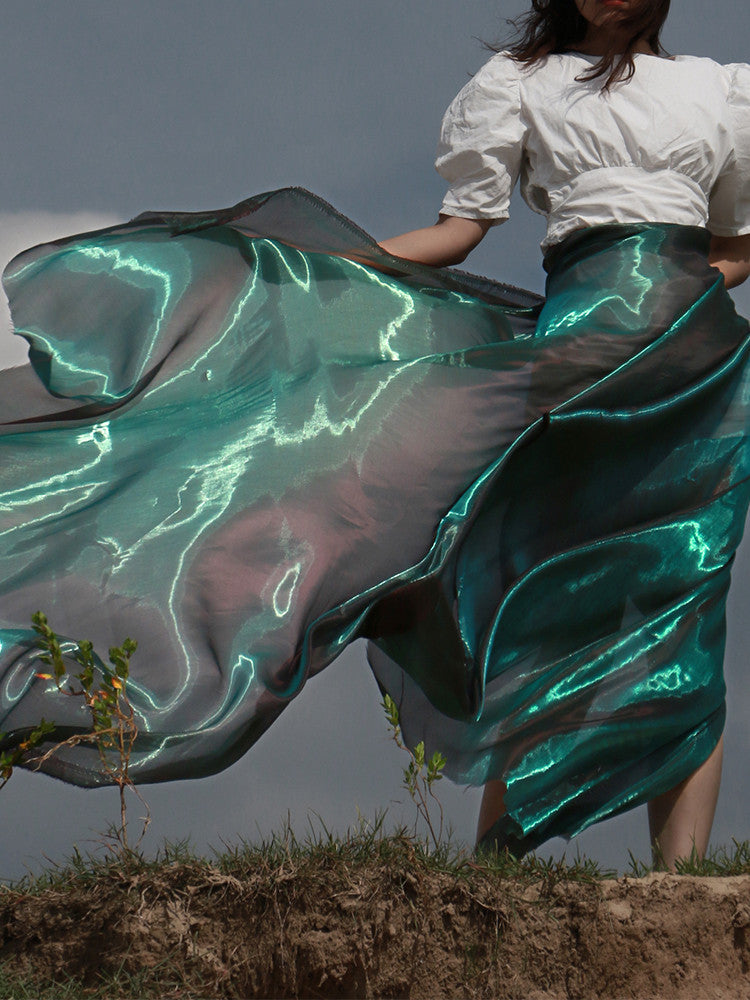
x,y
449,241
731,255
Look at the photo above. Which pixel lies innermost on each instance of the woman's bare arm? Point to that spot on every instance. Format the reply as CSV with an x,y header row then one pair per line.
x,y
449,241
731,255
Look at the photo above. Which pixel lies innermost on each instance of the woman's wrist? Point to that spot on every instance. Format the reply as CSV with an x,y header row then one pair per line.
x,y
731,256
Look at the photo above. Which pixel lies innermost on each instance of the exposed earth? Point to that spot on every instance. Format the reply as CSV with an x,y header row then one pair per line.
x,y
382,927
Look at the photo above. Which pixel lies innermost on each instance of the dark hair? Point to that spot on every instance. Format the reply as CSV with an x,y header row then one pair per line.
x,y
557,26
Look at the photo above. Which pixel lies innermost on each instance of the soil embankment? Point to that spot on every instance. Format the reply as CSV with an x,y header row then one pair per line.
x,y
379,928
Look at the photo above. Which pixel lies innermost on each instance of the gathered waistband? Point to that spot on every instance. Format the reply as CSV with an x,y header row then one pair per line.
x,y
661,195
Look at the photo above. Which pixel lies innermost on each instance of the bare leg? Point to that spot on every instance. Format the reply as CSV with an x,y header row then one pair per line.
x,y
493,806
681,818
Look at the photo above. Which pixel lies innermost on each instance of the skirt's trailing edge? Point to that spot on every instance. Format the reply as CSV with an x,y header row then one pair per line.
x,y
250,437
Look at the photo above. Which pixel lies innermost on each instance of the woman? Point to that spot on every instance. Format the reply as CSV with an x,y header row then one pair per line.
x,y
258,436
484,138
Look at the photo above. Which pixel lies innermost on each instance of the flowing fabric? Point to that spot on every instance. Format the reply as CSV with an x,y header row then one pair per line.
x,y
249,437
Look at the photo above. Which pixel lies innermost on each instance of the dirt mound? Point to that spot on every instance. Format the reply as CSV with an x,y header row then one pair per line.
x,y
381,928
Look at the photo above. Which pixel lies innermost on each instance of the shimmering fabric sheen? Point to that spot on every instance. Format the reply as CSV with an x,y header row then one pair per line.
x,y
246,449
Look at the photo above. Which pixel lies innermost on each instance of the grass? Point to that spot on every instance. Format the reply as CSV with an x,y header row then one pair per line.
x,y
158,983
719,862
319,850
364,845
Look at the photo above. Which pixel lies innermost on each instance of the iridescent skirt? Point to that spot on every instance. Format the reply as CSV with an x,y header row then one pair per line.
x,y
247,438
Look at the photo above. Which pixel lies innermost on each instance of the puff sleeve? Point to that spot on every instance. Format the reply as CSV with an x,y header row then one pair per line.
x,y
481,143
729,204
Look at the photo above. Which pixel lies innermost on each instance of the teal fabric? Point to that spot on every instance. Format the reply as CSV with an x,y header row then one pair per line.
x,y
249,437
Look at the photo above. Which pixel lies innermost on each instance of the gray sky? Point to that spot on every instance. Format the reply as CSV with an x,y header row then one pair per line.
x,y
111,108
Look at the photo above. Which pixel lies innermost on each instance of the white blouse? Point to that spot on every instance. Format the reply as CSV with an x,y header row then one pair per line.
x,y
672,144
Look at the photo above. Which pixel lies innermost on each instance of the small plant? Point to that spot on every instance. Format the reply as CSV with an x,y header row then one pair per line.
x,y
420,774
104,693
11,759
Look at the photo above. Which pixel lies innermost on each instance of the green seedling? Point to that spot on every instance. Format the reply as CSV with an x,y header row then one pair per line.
x,y
420,774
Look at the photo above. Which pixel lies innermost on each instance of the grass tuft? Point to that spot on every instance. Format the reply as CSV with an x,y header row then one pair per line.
x,y
719,862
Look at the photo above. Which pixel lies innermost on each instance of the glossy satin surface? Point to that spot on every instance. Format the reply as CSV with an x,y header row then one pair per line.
x,y
245,451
